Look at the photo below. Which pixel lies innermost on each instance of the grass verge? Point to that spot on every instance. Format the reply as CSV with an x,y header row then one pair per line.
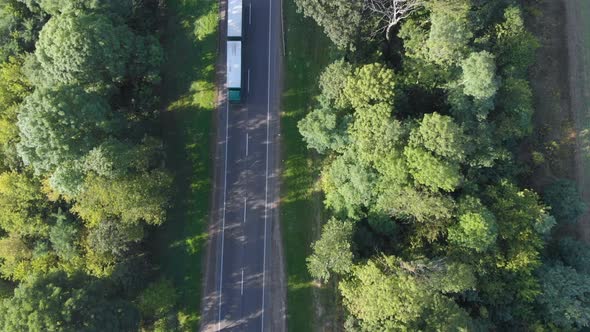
x,y
188,92
308,51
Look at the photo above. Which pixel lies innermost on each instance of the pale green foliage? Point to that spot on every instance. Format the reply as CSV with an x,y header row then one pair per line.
x,y
409,202
14,254
67,179
479,75
85,49
450,31
440,135
323,130
14,87
133,199
370,84
565,297
374,132
115,159
333,80
63,236
348,185
114,237
476,226
56,7
332,253
340,19
60,125
431,171
22,204
389,294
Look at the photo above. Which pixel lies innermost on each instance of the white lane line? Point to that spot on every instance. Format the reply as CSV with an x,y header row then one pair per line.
x,y
250,13
245,200
266,178
223,217
247,142
248,80
242,287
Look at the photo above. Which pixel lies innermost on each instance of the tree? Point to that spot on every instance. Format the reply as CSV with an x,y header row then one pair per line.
x,y
565,298
514,45
392,12
114,237
515,100
389,294
57,7
332,253
431,171
476,227
409,202
57,302
60,125
133,199
565,201
575,253
323,131
23,205
479,75
158,299
14,254
371,84
333,80
63,236
340,19
450,31
348,185
375,133
440,135
85,49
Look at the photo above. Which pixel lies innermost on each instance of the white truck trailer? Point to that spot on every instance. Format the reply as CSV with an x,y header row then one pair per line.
x,y
234,51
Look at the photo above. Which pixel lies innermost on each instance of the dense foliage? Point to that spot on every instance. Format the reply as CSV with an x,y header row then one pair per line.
x,y
433,228
82,177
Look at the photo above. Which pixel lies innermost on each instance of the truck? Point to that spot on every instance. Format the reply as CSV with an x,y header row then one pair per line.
x,y
234,51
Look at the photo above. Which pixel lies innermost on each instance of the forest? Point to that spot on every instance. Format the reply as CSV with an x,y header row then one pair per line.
x,y
420,126
83,178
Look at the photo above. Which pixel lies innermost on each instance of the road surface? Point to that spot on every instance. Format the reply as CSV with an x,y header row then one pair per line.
x,y
244,288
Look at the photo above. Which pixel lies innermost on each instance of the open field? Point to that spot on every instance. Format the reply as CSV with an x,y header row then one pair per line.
x,y
308,51
190,41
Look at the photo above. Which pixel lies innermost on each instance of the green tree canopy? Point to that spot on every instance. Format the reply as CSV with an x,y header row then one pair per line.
x,y
133,199
431,171
450,31
332,253
348,185
340,19
323,130
333,80
85,49
476,227
565,201
23,205
440,135
60,125
479,75
370,84
57,302
565,297
390,294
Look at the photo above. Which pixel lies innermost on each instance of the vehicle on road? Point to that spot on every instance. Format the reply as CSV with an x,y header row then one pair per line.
x,y
234,51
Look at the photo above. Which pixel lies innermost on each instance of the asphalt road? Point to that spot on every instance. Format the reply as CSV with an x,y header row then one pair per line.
x,y
243,288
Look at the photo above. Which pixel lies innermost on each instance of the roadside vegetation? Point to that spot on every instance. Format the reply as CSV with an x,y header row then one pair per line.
x,y
308,51
432,223
91,170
